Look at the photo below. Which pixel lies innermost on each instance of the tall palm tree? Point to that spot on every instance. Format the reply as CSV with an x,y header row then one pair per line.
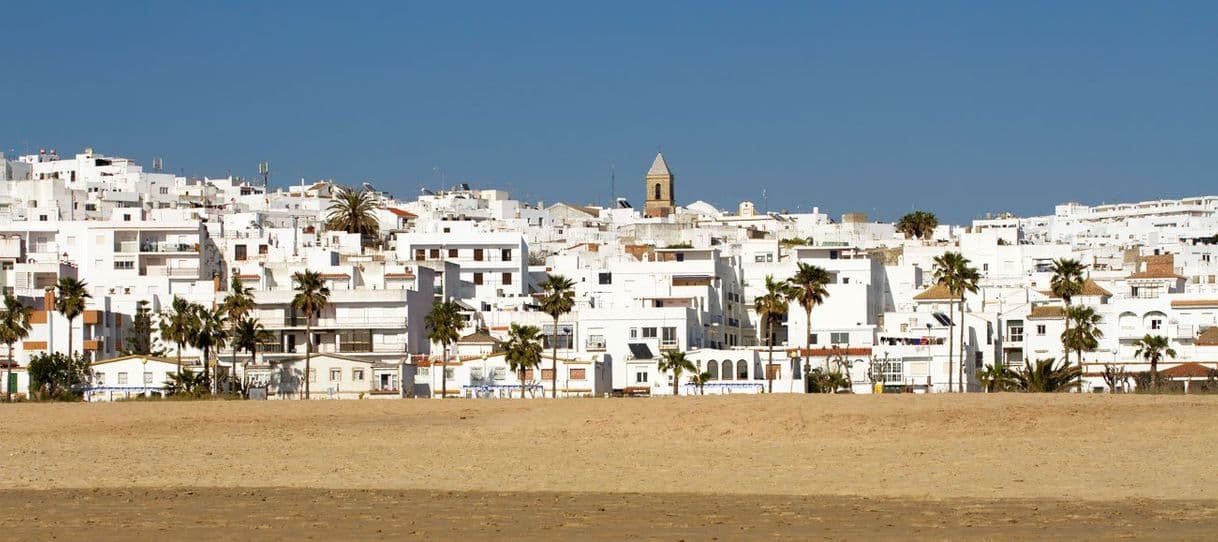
x,y
771,307
180,324
311,299
444,327
557,299
1067,282
14,326
1046,376
353,211
919,224
247,334
1082,333
210,336
676,362
1152,348
237,305
809,288
954,271
70,299
523,351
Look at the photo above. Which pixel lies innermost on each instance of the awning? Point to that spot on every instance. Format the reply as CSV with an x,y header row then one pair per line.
x,y
640,351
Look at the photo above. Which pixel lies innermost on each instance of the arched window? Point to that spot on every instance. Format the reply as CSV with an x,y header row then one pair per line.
x,y
757,374
727,369
712,368
657,191
742,370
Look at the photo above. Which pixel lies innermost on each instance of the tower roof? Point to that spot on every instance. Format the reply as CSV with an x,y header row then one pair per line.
x,y
659,166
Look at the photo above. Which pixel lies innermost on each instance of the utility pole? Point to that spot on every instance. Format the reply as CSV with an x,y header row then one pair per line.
x,y
264,169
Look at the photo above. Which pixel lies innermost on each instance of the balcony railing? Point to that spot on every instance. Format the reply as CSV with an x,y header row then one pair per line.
x,y
347,323
169,246
595,344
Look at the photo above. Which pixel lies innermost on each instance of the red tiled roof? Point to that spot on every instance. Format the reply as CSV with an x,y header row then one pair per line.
x,y
1209,337
806,352
938,292
254,277
1047,313
1187,370
399,275
1193,303
335,276
401,212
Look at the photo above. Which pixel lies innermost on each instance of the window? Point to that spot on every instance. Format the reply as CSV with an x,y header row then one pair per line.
x,y
657,192
578,374
505,254
477,254
121,264
649,333
978,360
742,370
634,333
712,369
336,375
355,340
420,254
640,377
164,191
1156,324
888,370
499,373
547,374
424,371
42,218
357,375
669,336
507,278
1015,331
450,373
312,376
239,253
1040,329
147,378
566,335
812,339
434,253
839,338
452,253
605,278
727,370
100,378
122,379
126,217
477,279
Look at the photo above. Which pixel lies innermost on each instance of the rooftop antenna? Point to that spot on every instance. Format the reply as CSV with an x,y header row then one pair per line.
x,y
157,164
765,202
612,186
264,169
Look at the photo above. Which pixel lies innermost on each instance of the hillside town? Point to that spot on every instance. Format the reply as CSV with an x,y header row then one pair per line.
x,y
165,283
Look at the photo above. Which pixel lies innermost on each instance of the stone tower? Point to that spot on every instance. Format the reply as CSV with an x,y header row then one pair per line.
x,y
660,199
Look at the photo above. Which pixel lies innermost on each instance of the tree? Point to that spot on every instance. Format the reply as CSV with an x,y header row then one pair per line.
x,y
996,377
180,324
952,270
1046,376
311,299
14,326
1082,333
247,334
700,380
919,224
771,308
237,305
1067,282
809,288
353,211
1152,348
138,338
210,336
58,376
186,382
557,299
70,301
676,362
1115,377
523,351
444,327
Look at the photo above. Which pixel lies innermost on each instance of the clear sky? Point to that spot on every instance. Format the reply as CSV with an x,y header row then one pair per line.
x,y
956,107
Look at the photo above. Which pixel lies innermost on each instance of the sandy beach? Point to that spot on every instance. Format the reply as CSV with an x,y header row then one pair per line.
x,y
955,466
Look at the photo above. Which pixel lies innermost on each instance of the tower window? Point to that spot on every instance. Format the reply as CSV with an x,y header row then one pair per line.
x,y
657,191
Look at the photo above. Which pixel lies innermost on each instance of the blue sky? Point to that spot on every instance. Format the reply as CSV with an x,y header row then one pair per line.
x,y
955,107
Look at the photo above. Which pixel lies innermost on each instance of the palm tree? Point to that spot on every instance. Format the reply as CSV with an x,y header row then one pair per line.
x,y
186,382
247,334
312,296
808,287
523,351
772,307
677,363
14,326
353,211
1152,348
1067,282
996,377
70,301
1046,376
700,380
444,327
238,304
180,325
919,224
1082,333
952,270
210,336
557,299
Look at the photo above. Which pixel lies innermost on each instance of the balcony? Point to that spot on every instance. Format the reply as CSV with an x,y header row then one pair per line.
x,y
168,246
594,344
346,323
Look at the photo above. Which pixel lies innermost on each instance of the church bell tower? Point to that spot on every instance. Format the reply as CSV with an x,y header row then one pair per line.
x,y
660,200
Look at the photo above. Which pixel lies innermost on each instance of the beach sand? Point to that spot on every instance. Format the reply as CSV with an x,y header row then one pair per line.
x,y
692,468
